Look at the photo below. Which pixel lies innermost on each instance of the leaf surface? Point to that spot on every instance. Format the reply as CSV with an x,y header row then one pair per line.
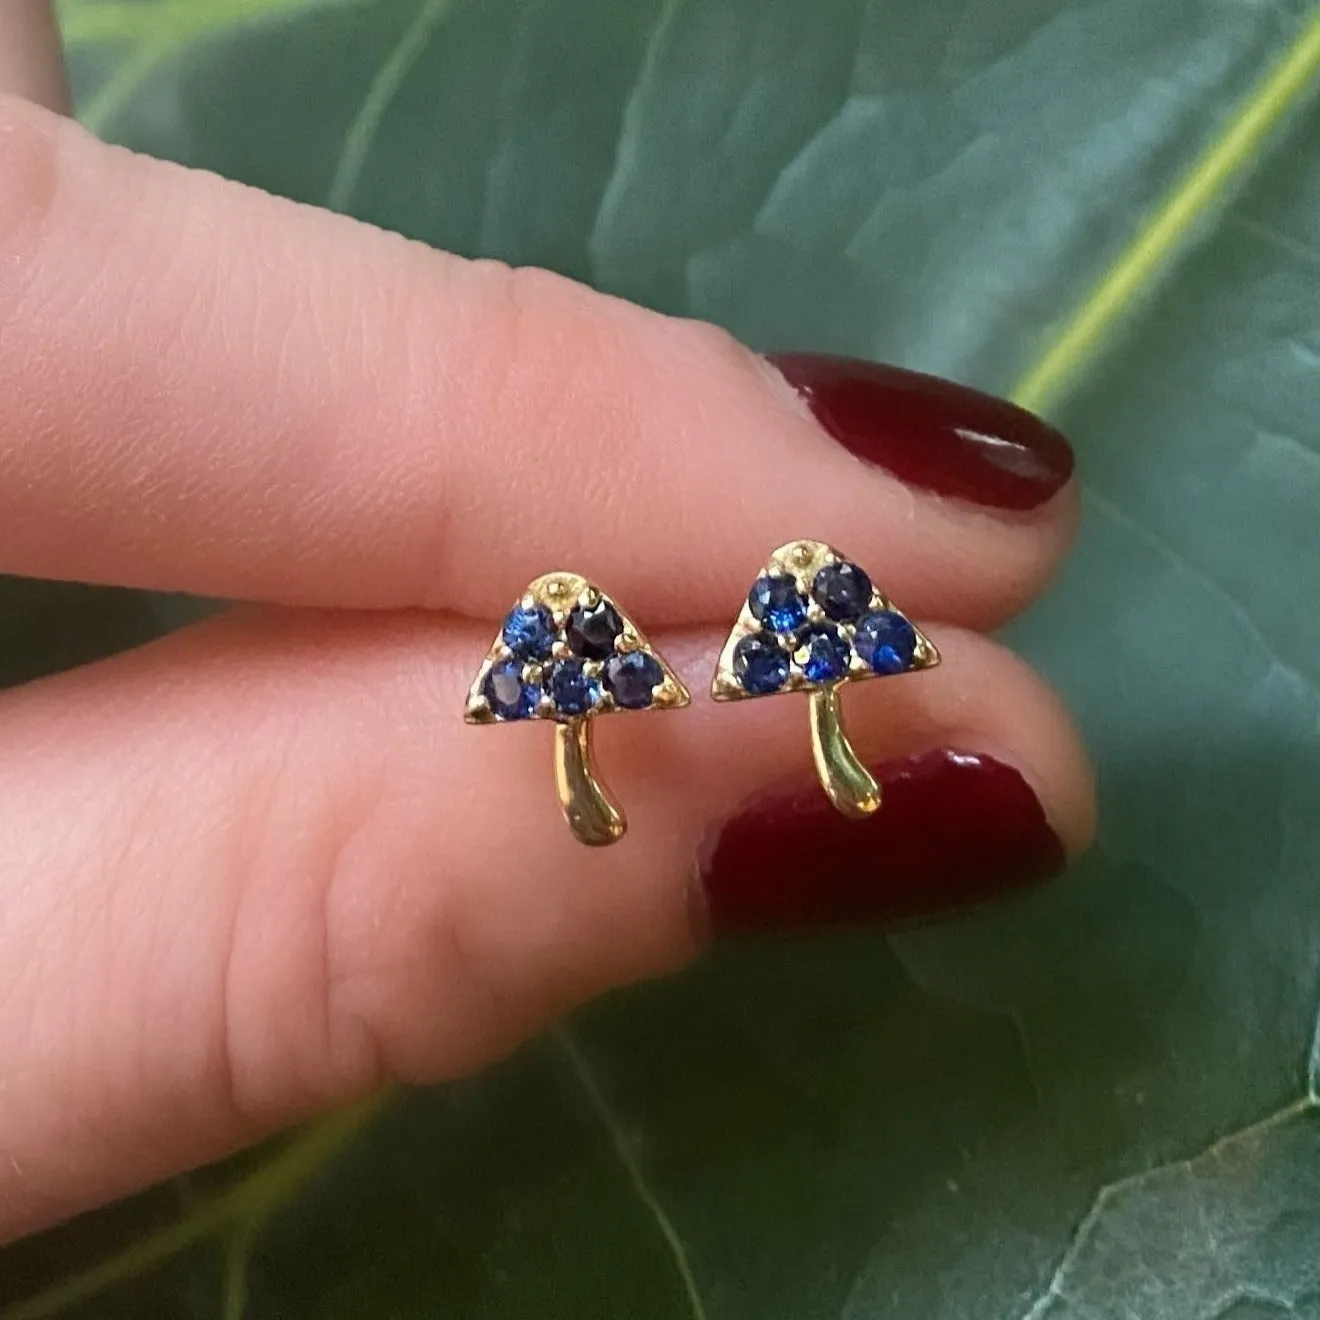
x,y
1094,1101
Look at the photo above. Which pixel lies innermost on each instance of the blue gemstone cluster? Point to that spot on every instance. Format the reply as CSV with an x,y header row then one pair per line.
x,y
789,642
530,682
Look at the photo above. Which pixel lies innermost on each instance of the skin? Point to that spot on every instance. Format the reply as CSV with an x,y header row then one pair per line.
x,y
30,62
261,867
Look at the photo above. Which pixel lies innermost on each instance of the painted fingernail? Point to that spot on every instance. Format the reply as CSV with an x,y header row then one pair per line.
x,y
932,433
955,828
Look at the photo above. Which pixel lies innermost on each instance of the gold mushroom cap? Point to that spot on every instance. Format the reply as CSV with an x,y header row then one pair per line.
x,y
567,653
813,622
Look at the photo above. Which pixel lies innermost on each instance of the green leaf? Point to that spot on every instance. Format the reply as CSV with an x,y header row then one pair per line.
x,y
1095,1101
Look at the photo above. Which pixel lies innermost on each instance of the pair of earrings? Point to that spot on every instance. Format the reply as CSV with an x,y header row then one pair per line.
x,y
812,621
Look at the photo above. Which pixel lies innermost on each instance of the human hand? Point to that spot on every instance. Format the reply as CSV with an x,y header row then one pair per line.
x,y
261,867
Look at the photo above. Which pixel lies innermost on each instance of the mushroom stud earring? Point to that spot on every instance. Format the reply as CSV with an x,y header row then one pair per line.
x,y
813,622
567,653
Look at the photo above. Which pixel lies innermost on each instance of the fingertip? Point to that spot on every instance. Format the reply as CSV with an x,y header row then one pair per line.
x,y
31,56
326,414
933,434
1013,714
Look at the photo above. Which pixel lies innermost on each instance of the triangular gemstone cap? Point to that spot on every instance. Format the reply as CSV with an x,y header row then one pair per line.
x,y
567,652
814,619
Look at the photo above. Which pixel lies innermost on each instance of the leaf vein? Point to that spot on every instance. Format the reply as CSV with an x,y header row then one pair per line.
x,y
119,88
1275,238
1157,544
622,1148
241,1210
238,1251
629,126
384,87
1220,164
1055,1287
84,22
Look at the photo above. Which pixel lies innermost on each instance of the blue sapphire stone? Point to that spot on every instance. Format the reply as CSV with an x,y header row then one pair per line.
x,y
572,689
529,631
633,678
886,641
761,665
592,630
843,591
777,603
509,695
823,654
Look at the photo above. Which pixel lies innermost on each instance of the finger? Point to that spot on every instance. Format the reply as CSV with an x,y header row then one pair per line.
x,y
260,867
31,61
212,390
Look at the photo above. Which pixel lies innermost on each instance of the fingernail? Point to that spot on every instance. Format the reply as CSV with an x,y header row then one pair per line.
x,y
954,829
932,433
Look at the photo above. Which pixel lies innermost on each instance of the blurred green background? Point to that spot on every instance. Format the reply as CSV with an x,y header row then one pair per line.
x,y
1095,1102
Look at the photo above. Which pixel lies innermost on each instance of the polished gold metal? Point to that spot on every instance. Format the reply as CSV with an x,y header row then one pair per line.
x,y
850,786
594,817
592,812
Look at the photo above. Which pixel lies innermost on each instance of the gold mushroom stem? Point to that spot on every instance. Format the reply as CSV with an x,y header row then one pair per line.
x,y
850,786
592,814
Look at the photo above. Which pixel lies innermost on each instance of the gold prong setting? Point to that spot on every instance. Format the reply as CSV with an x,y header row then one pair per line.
x,y
813,622
818,647
534,672
566,653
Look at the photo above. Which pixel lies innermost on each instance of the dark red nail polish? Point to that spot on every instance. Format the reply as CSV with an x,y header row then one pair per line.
x,y
954,828
932,433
